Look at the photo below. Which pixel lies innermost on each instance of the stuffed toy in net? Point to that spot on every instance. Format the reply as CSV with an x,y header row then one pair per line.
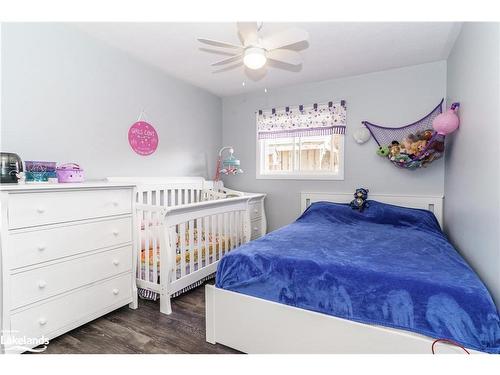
x,y
419,144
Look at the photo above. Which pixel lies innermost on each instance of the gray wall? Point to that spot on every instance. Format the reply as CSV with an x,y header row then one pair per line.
x,y
472,183
68,97
397,96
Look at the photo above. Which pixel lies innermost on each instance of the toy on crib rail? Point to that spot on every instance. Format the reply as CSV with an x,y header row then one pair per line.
x,y
359,202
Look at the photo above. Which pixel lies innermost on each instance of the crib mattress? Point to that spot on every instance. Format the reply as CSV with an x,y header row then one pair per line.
x,y
214,247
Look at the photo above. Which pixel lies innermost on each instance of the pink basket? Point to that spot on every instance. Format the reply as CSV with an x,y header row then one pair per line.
x,y
70,172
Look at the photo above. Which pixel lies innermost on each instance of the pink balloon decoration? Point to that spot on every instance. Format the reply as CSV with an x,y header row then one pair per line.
x,y
447,122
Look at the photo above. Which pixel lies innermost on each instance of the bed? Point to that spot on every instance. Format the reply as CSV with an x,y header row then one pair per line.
x,y
339,281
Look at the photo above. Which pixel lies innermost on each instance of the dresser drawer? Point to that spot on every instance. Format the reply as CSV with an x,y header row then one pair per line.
x,y
39,208
255,210
40,283
59,313
42,245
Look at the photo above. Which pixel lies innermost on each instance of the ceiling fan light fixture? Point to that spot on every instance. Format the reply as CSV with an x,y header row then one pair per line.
x,y
254,50
254,58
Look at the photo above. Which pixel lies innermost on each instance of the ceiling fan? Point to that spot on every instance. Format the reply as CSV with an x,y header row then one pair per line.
x,y
255,51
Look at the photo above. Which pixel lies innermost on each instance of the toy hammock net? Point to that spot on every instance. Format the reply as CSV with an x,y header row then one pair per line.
x,y
412,146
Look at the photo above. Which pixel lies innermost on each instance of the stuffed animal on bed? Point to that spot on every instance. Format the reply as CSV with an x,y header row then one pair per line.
x,y
359,202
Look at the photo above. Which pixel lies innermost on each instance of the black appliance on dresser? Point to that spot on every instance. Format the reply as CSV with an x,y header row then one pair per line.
x,y
10,165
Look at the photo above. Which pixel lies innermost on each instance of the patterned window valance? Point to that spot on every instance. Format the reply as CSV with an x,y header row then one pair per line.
x,y
302,121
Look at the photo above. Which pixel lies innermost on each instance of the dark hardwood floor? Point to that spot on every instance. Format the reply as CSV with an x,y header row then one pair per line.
x,y
144,330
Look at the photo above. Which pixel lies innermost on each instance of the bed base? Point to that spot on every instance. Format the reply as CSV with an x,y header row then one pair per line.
x,y
257,326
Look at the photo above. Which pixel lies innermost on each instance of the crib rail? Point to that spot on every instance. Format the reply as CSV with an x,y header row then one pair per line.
x,y
200,235
184,243
170,196
150,228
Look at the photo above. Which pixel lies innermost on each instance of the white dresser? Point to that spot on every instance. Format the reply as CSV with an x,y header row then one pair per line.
x,y
66,257
258,222
257,212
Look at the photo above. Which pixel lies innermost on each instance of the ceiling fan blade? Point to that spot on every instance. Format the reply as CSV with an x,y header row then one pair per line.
x,y
217,43
221,52
228,60
228,67
285,38
248,33
286,56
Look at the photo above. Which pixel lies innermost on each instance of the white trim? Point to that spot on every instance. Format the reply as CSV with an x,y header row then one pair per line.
x,y
431,203
299,176
254,325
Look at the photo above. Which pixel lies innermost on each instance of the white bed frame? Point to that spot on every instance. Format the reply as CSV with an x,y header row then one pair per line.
x,y
255,325
425,202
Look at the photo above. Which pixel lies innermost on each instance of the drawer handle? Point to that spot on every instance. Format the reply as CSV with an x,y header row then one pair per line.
x,y
40,210
42,284
116,262
115,233
116,291
115,203
255,229
255,211
41,248
42,321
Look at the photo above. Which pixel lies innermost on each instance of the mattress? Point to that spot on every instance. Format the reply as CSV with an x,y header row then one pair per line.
x,y
388,265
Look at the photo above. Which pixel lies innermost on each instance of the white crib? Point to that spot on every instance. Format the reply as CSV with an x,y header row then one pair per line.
x,y
183,228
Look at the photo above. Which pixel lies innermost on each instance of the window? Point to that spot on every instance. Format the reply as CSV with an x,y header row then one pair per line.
x,y
301,144
320,155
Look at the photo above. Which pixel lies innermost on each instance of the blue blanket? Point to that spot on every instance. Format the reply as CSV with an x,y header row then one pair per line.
x,y
387,265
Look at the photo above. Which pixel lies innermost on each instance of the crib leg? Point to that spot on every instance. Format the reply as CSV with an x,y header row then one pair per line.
x,y
135,303
165,306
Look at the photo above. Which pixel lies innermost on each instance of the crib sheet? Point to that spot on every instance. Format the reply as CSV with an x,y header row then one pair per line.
x,y
214,247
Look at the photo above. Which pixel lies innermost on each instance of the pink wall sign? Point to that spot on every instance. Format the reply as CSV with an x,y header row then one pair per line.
x,y
143,138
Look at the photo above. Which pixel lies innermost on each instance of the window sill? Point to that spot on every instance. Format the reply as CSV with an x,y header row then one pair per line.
x,y
326,177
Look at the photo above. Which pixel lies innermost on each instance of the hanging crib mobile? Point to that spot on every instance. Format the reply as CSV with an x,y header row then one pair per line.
x,y
419,144
229,166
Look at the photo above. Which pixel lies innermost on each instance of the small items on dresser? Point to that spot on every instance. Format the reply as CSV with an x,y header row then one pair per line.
x,y
37,171
40,171
70,172
11,165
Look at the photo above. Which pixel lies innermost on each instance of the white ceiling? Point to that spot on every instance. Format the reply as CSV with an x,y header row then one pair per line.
x,y
335,50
